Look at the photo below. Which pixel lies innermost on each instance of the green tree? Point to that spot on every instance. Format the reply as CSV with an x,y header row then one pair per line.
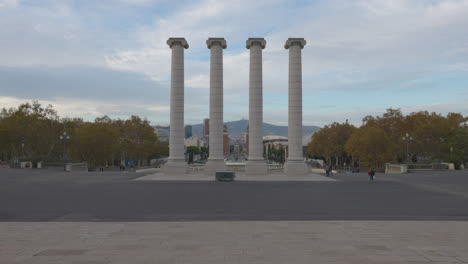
x,y
371,146
191,151
330,142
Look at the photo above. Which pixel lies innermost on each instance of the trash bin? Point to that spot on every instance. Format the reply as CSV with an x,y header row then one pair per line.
x,y
225,176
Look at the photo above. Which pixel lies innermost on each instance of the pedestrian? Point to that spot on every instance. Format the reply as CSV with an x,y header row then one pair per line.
x,y
371,174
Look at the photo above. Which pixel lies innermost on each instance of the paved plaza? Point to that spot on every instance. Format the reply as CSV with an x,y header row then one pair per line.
x,y
240,176
235,242
113,217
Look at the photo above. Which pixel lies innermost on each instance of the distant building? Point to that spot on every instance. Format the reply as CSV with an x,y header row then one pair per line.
x,y
275,142
206,127
188,131
196,141
163,133
225,141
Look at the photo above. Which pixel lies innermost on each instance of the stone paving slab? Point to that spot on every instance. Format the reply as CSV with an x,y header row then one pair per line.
x,y
239,177
235,242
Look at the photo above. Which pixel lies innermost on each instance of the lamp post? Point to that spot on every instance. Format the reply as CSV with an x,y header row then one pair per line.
x,y
407,138
64,138
22,150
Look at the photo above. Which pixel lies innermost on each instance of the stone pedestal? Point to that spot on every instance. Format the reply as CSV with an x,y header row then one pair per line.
x,y
216,156
295,164
256,164
176,164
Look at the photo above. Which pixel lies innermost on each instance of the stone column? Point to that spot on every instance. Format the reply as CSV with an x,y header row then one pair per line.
x,y
295,163
256,163
216,158
176,164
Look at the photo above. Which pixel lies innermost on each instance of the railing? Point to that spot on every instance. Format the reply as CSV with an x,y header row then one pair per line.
x,y
237,167
196,167
273,167
433,166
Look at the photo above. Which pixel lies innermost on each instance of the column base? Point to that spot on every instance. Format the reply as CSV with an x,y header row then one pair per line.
x,y
256,167
175,167
214,165
296,167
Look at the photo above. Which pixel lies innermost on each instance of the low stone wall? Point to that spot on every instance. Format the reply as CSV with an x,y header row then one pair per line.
x,y
396,168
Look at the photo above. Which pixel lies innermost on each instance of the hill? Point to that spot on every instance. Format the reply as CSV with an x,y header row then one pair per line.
x,y
237,129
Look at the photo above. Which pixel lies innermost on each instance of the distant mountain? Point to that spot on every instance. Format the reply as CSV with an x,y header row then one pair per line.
x,y
237,129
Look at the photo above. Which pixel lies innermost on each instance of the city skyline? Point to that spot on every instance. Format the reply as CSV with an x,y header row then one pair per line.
x,y
90,59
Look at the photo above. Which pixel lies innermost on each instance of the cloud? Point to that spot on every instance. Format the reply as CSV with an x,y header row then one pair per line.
x,y
90,109
8,3
90,92
357,52
81,83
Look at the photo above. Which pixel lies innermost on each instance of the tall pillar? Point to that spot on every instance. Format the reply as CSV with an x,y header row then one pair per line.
x,y
295,164
216,157
176,164
256,163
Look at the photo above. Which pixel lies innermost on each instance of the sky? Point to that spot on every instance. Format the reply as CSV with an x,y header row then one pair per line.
x,y
91,58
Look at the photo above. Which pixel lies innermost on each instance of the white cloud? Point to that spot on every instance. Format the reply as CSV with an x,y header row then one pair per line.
x,y
352,45
8,3
89,109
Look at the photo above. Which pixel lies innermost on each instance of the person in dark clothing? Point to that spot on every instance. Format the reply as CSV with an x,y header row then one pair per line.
x,y
371,174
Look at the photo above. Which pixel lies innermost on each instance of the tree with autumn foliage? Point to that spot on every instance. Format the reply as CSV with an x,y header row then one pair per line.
x,y
329,142
382,139
371,146
32,132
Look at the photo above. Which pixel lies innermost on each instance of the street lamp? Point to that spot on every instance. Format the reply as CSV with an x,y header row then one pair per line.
x,y
407,138
64,138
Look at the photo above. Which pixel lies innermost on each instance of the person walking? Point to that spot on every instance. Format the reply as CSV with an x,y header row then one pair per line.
x,y
371,174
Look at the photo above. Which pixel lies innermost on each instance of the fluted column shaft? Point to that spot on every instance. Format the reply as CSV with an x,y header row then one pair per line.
x,y
176,164
256,104
216,102
295,164
216,155
256,164
295,103
176,134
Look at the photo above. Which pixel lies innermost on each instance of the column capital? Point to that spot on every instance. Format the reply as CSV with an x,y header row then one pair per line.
x,y
251,41
295,41
213,41
177,41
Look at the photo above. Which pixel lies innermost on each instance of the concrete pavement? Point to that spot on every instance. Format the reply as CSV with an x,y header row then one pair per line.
x,y
58,217
235,242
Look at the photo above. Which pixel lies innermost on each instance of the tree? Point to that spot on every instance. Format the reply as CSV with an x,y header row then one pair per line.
x,y
192,150
330,142
29,131
371,146
204,151
94,142
393,124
